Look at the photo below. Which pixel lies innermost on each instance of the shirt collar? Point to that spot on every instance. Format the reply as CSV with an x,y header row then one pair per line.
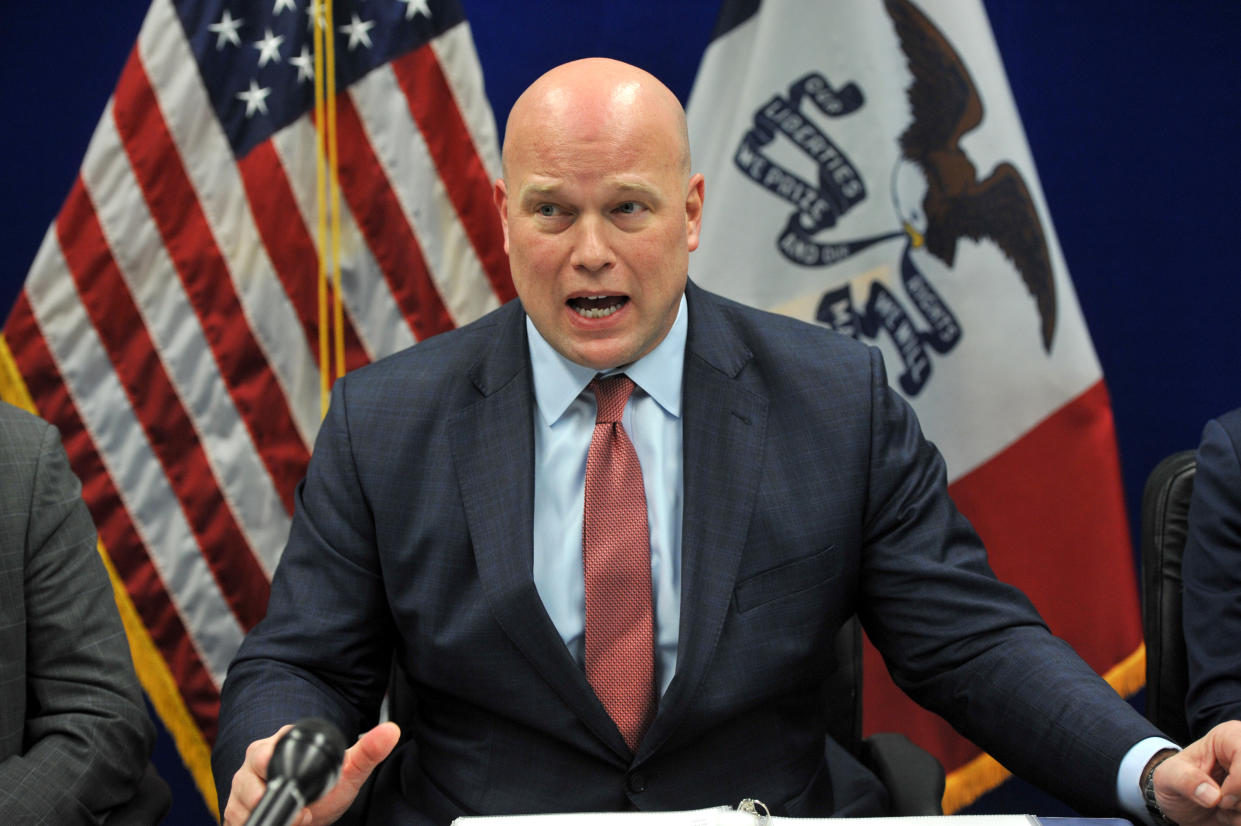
x,y
558,381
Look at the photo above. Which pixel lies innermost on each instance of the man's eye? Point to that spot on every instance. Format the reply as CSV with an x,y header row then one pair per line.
x,y
547,210
629,207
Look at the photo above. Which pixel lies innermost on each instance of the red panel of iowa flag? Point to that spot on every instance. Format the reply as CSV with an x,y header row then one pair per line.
x,y
867,170
169,324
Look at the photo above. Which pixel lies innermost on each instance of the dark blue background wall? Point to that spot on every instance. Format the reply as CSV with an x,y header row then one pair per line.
x,y
1132,111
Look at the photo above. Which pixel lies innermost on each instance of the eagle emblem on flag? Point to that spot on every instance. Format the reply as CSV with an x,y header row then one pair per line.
x,y
937,197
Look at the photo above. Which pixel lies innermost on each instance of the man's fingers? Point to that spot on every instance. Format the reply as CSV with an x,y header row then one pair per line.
x,y
1225,742
258,753
360,760
250,781
1202,784
246,792
1182,777
247,789
1185,792
234,813
370,750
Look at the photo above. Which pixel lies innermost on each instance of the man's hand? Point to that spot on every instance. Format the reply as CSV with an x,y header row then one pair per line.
x,y
1198,786
250,781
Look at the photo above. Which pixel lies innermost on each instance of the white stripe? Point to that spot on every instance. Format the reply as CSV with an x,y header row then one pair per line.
x,y
449,255
129,460
208,161
457,57
181,345
368,299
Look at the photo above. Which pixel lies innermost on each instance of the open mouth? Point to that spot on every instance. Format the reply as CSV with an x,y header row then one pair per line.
x,y
597,306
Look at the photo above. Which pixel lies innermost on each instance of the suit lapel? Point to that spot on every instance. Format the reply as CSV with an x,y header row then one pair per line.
x,y
722,419
493,452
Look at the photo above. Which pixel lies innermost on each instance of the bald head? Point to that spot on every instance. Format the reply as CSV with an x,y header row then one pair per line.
x,y
596,95
599,210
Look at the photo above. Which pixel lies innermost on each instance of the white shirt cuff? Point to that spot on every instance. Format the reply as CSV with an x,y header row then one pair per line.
x,y
1129,777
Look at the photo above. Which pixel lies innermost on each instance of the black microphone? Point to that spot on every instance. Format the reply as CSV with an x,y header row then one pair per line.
x,y
304,764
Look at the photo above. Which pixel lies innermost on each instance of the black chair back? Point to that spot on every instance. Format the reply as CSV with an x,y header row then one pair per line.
x,y
844,689
1165,518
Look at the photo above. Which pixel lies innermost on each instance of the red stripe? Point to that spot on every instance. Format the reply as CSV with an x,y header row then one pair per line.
x,y
1067,466
112,520
1051,511
157,406
208,283
388,234
451,147
290,246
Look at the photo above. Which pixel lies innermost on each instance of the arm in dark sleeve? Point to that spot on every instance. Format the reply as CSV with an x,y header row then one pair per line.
x,y
1212,573
969,647
324,647
87,736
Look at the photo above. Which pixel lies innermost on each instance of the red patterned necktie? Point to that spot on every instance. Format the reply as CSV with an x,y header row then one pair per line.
x,y
616,555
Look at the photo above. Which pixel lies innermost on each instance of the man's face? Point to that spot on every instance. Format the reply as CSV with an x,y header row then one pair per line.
x,y
599,219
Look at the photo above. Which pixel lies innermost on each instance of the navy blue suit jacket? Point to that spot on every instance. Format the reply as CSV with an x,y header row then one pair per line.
x,y
810,495
1212,573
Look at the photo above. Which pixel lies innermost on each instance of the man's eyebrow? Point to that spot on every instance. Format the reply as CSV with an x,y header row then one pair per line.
x,y
639,188
539,188
535,189
532,191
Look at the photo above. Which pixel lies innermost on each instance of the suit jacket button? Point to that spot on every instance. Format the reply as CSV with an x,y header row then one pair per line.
x,y
636,782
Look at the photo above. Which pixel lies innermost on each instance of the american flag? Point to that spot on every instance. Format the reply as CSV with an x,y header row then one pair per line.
x,y
169,324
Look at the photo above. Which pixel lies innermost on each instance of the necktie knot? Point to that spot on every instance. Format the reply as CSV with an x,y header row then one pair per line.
x,y
610,397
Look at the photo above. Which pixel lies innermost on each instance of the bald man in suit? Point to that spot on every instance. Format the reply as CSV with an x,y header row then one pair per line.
x,y
787,487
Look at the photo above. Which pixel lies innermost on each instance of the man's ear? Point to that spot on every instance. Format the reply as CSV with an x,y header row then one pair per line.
x,y
499,196
693,210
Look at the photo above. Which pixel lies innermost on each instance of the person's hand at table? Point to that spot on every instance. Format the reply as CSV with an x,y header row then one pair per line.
x,y
360,760
1198,786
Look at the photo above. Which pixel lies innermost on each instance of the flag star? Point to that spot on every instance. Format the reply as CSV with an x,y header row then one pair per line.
x,y
358,31
226,30
315,10
269,48
305,64
255,98
281,5
413,7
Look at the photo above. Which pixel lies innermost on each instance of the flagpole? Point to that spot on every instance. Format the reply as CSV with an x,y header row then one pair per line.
x,y
316,16
338,321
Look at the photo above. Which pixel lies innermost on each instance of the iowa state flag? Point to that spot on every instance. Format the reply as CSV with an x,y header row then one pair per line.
x,y
866,170
170,323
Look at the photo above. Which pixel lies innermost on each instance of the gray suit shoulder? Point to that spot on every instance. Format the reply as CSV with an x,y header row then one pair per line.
x,y
21,433
73,722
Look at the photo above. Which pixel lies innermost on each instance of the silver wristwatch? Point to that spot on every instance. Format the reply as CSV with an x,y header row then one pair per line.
x,y
1148,794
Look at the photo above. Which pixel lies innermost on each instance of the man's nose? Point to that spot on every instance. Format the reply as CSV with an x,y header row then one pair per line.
x,y
591,250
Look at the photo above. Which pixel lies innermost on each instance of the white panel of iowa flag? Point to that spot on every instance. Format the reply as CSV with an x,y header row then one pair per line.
x,y
169,325
866,169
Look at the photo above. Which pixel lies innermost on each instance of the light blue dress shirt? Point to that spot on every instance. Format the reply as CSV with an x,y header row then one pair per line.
x,y
563,423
